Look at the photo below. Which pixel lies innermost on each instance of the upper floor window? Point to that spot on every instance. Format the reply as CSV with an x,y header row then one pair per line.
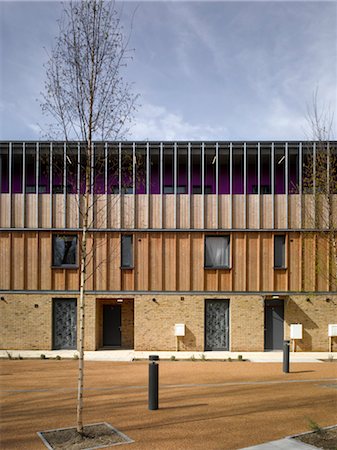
x,y
217,252
279,251
64,250
127,251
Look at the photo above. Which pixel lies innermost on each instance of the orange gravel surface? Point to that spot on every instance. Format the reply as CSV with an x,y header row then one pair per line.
x,y
202,405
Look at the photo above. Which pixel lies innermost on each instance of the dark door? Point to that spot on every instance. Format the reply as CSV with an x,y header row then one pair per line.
x,y
216,325
64,323
112,325
273,324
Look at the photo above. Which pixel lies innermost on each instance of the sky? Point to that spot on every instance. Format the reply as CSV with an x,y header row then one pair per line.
x,y
239,70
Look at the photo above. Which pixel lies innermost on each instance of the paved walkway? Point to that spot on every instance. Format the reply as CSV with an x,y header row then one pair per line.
x,y
282,444
130,355
217,405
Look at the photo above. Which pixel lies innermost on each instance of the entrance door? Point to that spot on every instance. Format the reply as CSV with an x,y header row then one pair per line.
x,y
64,323
273,324
216,325
112,325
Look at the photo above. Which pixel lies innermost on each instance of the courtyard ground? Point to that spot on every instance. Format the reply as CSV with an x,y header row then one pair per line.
x,y
212,405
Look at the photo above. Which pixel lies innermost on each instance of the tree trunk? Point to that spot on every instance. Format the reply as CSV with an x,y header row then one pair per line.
x,y
82,293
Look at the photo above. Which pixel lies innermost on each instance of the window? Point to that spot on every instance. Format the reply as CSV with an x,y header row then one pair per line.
x,y
64,250
217,252
279,252
126,252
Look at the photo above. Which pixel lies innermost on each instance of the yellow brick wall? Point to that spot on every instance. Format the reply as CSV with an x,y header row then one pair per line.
x,y
246,323
25,326
26,322
154,322
314,313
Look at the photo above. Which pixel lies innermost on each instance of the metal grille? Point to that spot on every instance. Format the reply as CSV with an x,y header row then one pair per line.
x,y
216,324
64,324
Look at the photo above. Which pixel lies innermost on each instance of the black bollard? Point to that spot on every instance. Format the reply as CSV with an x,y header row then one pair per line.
x,y
153,382
286,349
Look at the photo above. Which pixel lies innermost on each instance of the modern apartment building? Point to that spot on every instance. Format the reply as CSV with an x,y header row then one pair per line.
x,y
224,239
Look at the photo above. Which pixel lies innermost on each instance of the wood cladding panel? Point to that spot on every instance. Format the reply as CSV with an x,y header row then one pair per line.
x,y
5,256
31,208
322,262
17,211
168,211
31,262
114,273
211,280
322,208
5,219
18,261
239,265
100,262
58,210
73,211
280,280
253,202
141,246
266,261
44,211
197,271
45,255
308,262
156,262
280,211
90,269
127,204
295,207
197,211
225,281
253,258
142,211
294,261
239,211
114,211
169,261
308,211
183,261
211,211
266,211
156,211
183,213
224,211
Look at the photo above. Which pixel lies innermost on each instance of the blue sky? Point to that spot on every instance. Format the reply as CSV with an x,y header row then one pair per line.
x,y
204,70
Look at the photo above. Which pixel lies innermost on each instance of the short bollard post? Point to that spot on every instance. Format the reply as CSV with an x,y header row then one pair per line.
x,y
286,349
153,382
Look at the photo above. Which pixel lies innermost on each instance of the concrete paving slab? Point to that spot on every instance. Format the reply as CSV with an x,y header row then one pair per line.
x,y
131,355
282,444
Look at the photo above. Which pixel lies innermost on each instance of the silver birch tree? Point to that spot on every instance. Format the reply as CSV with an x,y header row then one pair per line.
x,y
88,99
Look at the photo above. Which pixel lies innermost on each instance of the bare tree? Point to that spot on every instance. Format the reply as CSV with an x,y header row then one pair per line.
x,y
88,100
320,188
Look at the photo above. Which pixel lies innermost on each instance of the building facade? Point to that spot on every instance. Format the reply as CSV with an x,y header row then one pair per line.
x,y
225,238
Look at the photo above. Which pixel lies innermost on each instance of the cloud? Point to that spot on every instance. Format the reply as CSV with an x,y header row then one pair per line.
x,y
157,123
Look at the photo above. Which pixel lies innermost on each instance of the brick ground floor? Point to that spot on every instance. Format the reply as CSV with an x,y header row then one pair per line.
x,y
147,322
